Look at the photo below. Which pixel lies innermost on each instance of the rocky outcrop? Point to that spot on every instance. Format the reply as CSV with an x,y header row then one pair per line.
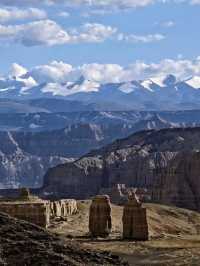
x,y
63,208
165,162
134,220
69,207
118,193
56,209
22,169
28,208
100,223
181,184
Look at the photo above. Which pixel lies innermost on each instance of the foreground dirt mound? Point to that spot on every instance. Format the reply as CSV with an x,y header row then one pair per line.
x,y
23,244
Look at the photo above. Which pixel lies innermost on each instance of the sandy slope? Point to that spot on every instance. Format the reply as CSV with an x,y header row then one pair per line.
x,y
174,236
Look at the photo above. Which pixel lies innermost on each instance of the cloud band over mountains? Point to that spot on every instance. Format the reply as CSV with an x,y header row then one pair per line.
x,y
59,72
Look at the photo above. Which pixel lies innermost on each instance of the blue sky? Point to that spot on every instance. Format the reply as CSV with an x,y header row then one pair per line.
x,y
104,32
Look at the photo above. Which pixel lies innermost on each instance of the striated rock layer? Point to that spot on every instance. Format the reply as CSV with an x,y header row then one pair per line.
x,y
31,143
134,220
165,162
100,223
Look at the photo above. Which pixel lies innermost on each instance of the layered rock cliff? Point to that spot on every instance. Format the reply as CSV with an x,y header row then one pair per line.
x,y
26,156
20,168
166,162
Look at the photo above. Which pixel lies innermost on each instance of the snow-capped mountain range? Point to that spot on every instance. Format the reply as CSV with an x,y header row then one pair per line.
x,y
163,92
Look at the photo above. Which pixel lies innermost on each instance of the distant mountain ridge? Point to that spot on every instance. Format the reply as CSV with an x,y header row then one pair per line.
x,y
53,105
157,93
133,120
26,156
31,143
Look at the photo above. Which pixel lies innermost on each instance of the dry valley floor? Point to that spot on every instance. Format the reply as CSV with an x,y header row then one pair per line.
x,y
174,236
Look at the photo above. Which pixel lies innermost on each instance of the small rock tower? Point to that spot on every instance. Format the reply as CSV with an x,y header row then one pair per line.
x,y
24,194
134,220
100,216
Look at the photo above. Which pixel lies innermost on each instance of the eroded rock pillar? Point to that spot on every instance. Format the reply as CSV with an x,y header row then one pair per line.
x,y
134,220
100,216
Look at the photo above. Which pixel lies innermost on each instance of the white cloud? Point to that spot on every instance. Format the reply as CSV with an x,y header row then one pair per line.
x,y
93,32
95,12
43,32
64,14
64,90
195,2
60,72
102,4
28,83
90,3
48,32
53,72
179,67
8,14
132,38
56,89
17,78
23,2
102,72
111,3
168,24
60,77
118,4
17,70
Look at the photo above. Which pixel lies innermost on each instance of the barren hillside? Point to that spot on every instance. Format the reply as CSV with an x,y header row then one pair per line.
x,y
24,244
174,236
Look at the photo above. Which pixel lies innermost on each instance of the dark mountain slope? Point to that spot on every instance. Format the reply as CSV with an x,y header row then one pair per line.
x,y
166,162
